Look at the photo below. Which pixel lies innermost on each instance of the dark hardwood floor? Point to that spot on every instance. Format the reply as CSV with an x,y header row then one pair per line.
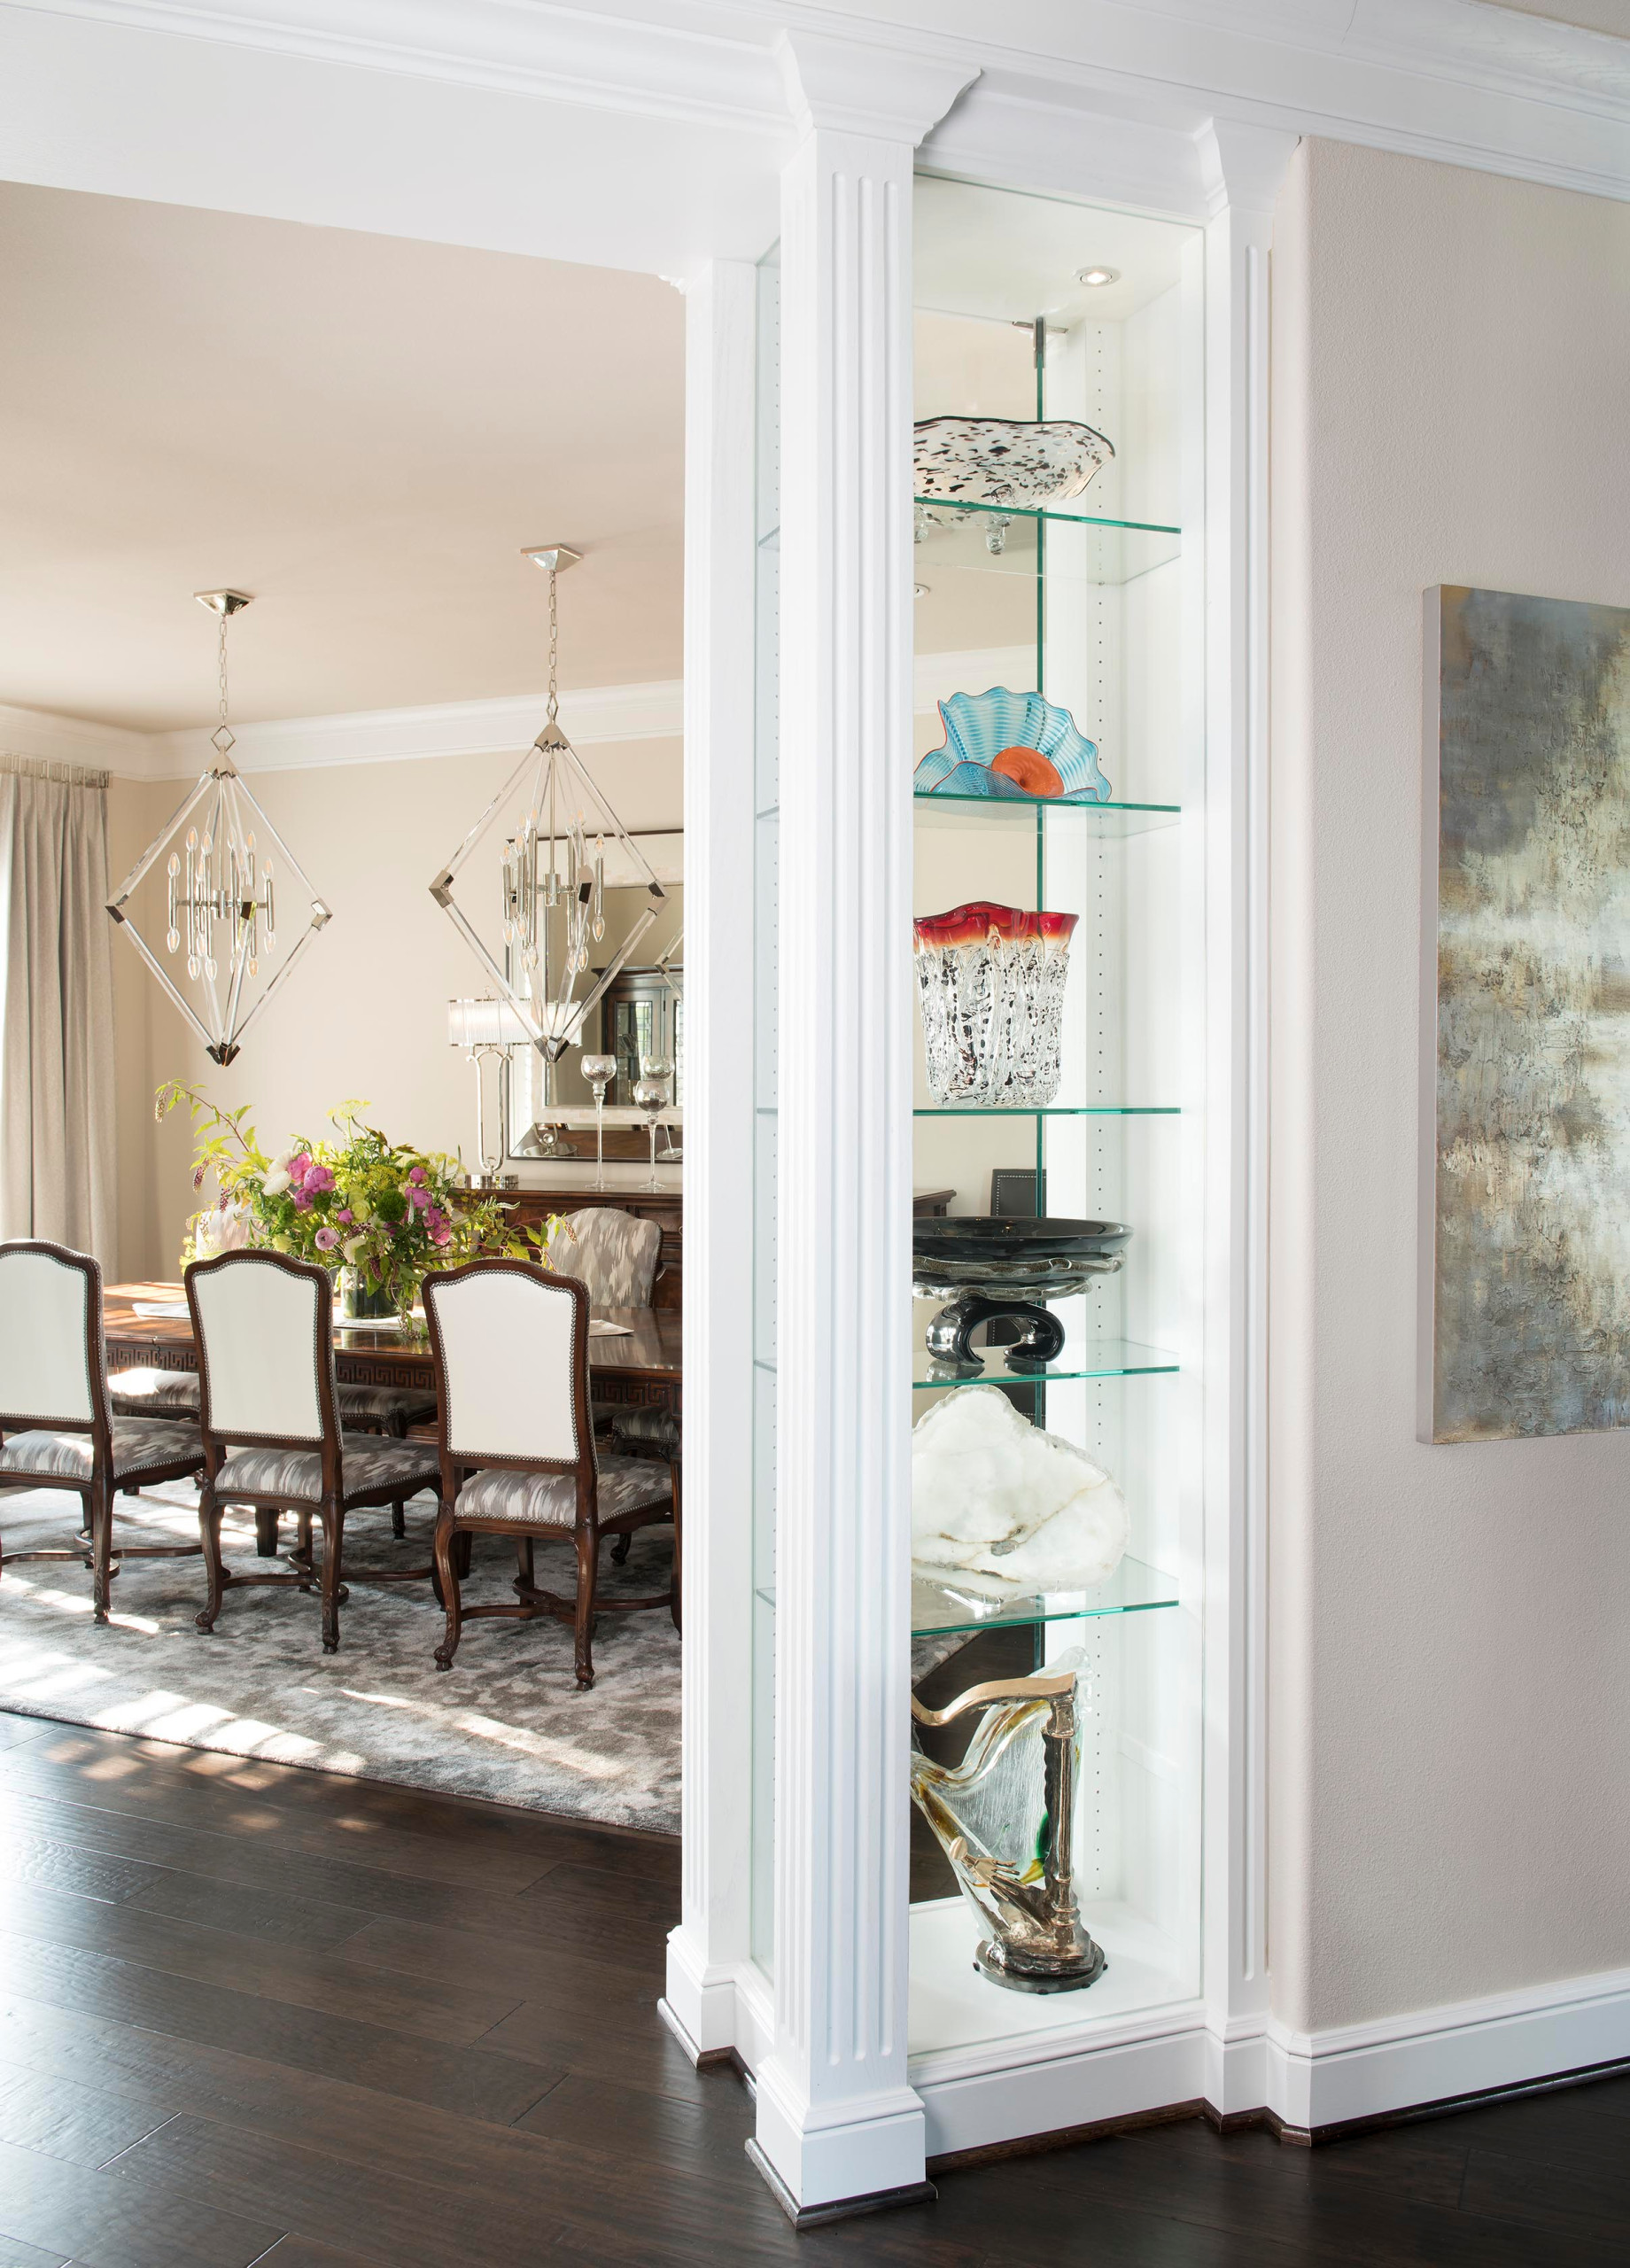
x,y
254,2014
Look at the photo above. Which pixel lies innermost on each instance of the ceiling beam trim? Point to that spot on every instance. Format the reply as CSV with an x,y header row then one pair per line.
x,y
1458,81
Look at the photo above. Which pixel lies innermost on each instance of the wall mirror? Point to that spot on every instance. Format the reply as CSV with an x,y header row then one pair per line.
x,y
549,1109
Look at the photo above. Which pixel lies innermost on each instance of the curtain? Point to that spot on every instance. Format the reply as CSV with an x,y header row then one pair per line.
x,y
57,1159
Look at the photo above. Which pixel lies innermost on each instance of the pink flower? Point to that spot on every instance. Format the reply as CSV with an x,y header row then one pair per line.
x,y
299,1167
420,1197
344,1214
442,1234
326,1240
302,1200
320,1177
417,1174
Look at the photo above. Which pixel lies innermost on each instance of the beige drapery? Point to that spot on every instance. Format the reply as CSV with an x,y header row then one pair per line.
x,y
57,1159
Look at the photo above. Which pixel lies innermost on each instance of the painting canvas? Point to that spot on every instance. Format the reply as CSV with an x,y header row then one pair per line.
x,y
1526,1318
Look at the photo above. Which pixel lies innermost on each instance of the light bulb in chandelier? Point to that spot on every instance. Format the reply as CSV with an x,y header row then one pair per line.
x,y
218,918
532,923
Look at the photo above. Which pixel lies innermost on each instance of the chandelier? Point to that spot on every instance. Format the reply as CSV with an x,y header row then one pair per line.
x,y
221,886
546,904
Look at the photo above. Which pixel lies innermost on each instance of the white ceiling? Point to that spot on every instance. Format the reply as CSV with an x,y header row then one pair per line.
x,y
363,430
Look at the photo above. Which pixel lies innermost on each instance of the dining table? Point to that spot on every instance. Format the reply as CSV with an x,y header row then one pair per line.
x,y
634,1363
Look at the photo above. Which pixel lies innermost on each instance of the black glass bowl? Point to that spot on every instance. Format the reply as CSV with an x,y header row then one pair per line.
x,y
985,1238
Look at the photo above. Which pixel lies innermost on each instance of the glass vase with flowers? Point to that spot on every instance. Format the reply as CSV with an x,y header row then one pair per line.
x,y
384,1212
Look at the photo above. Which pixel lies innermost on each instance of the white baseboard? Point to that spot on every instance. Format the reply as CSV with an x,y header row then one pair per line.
x,y
1326,2079
1304,2081
718,2011
975,2099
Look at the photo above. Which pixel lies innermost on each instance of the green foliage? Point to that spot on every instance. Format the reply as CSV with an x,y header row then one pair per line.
x,y
390,1212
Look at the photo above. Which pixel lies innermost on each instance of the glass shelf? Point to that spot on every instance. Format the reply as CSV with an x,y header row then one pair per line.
x,y
1050,1110
1082,1358
1077,547
1023,814
946,1603
943,1604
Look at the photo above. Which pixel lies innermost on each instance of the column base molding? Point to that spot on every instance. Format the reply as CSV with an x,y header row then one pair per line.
x,y
844,2209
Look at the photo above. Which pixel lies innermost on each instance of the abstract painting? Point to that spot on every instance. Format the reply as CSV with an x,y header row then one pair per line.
x,y
1526,1278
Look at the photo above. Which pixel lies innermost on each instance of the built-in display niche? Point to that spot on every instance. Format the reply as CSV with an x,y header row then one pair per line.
x,y
1055,1876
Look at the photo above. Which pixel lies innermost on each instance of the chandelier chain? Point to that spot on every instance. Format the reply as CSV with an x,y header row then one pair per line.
x,y
223,669
554,649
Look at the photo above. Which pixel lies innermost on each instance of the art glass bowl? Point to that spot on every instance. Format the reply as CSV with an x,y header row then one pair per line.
x,y
991,990
1003,743
1021,462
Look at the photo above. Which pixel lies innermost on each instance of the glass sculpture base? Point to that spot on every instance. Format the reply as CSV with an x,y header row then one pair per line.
x,y
988,1961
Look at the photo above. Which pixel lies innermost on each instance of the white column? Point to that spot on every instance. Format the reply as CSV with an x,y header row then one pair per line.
x,y
1242,167
837,2121
710,1946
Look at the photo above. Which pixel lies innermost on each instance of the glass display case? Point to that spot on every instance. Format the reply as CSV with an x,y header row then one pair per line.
x,y
1089,602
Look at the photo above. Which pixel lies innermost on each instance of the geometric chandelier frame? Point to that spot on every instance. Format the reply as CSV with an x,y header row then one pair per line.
x,y
222,888
553,861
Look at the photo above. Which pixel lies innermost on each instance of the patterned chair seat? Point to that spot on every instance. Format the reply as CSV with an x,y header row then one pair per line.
x,y
390,1406
143,1392
153,1393
368,1466
628,1484
140,1445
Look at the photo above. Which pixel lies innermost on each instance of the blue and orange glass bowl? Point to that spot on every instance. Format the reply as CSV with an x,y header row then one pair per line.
x,y
1010,745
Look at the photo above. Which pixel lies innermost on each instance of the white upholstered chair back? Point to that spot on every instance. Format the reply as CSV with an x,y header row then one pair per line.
x,y
612,1252
512,1347
48,1335
264,1341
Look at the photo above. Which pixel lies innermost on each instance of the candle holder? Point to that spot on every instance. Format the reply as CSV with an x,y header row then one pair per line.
x,y
651,1096
600,1070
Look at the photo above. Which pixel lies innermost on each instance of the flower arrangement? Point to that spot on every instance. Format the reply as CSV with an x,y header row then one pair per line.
x,y
388,1212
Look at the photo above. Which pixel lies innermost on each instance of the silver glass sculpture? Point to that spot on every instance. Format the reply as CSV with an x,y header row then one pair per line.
x,y
991,987
1004,1818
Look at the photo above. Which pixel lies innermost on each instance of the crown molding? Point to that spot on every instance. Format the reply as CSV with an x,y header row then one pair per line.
x,y
596,716
1084,96
42,737
897,94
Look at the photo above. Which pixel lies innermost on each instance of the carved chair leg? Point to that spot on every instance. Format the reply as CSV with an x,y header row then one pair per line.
x,y
398,1518
265,1531
588,1572
209,1536
333,1533
465,1544
523,1558
447,1576
621,1547
396,1427
302,1535
101,1548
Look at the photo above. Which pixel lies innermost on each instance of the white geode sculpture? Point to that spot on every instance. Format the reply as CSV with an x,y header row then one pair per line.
x,y
994,1497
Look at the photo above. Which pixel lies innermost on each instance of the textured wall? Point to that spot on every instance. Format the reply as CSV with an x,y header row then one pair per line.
x,y
1449,1740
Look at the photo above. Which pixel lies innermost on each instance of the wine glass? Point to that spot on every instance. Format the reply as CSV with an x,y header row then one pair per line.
x,y
600,1070
651,1096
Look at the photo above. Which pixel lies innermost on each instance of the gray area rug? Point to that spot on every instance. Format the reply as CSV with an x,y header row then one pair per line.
x,y
506,1723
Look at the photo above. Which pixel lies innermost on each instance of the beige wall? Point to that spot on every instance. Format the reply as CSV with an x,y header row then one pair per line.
x,y
365,1014
1449,1735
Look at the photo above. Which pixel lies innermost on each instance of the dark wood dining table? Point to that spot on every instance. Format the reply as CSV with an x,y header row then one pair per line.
x,y
638,1367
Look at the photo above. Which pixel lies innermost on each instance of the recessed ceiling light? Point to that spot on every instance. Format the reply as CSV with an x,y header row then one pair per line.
x,y
921,590
1095,276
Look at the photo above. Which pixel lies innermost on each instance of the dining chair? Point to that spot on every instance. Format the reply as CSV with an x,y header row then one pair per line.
x,y
614,1253
53,1387
272,1436
510,1346
362,1408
